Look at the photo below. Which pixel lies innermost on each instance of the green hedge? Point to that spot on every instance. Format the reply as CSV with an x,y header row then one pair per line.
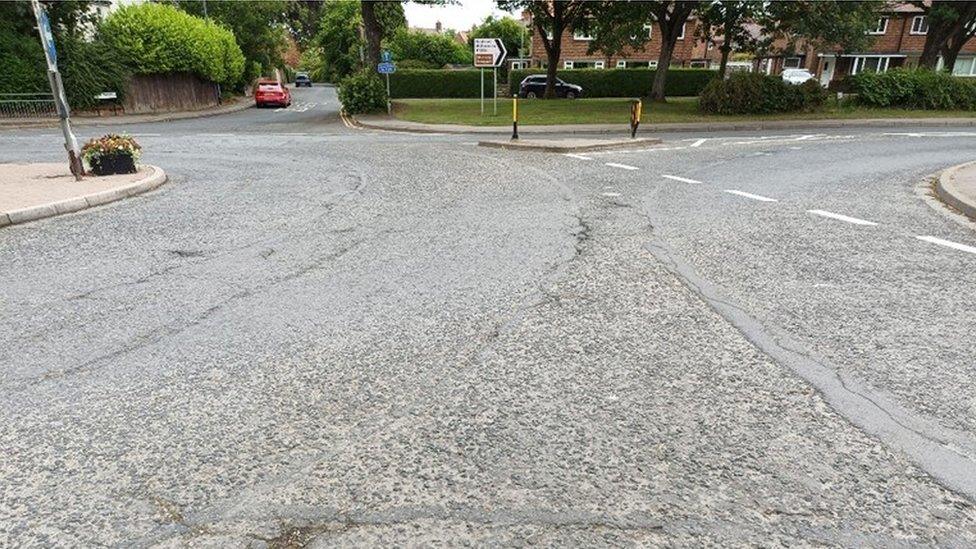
x,y
914,89
623,82
362,92
438,83
157,38
754,93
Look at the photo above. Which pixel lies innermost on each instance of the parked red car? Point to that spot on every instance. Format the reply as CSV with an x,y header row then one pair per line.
x,y
271,92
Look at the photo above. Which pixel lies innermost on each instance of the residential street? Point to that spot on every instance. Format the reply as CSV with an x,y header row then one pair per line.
x,y
320,334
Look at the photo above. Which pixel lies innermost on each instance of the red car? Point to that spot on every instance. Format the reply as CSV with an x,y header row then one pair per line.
x,y
271,92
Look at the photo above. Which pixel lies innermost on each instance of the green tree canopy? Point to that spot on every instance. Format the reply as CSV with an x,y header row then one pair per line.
x,y
435,50
339,39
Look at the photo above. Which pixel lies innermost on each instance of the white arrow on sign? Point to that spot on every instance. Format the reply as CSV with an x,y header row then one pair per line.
x,y
489,52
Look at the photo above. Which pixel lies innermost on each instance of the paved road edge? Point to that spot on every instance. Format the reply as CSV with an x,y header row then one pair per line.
x,y
384,123
127,119
946,188
78,203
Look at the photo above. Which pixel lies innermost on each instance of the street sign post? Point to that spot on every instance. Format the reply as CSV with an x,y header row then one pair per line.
x,y
489,52
57,89
387,67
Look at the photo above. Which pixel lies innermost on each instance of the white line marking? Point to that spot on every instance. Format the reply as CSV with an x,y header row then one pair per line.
x,y
750,195
611,195
682,179
623,166
948,244
805,137
578,156
840,217
698,143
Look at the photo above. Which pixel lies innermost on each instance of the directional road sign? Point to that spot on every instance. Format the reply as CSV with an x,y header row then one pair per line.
x,y
386,56
386,68
489,52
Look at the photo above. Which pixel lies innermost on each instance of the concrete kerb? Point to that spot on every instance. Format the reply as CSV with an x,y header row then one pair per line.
x,y
74,204
387,124
948,189
570,145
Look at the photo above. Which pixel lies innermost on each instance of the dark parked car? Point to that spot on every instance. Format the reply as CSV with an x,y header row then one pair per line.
x,y
302,79
535,86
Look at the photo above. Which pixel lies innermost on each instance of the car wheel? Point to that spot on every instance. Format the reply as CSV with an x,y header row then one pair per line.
x,y
570,95
530,95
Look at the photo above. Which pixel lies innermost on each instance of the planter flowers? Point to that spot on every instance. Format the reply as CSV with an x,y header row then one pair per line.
x,y
111,154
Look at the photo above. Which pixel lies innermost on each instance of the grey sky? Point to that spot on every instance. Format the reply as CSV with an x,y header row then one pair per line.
x,y
458,16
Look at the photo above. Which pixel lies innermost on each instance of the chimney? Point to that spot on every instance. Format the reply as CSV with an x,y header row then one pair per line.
x,y
437,26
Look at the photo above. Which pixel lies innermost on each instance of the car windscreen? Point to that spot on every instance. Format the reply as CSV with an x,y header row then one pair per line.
x,y
269,87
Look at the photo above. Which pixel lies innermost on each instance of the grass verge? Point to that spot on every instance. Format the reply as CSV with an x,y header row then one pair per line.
x,y
617,111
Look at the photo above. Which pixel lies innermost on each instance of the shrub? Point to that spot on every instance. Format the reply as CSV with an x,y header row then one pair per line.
x,y
88,69
624,82
438,83
753,93
158,38
913,89
436,49
362,92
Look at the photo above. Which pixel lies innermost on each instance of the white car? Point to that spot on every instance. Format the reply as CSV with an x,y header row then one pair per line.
x,y
796,76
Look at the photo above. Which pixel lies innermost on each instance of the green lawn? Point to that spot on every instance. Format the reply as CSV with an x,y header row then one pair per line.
x,y
614,111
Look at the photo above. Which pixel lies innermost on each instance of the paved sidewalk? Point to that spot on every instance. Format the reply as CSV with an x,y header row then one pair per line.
x,y
35,191
238,104
383,122
957,187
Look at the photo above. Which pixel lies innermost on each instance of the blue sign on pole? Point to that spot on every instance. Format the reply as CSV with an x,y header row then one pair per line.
x,y
52,53
386,68
386,56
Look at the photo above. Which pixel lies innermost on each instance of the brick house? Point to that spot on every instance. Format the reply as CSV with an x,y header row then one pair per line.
x,y
899,39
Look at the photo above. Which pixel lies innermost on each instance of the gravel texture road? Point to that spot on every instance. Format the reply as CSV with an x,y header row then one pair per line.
x,y
326,336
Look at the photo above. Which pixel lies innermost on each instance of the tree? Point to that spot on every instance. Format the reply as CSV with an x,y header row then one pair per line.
x,y
511,32
951,25
729,20
619,23
550,18
380,20
302,18
823,23
433,50
339,39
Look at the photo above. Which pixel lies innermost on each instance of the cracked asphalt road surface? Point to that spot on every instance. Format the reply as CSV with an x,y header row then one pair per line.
x,y
323,336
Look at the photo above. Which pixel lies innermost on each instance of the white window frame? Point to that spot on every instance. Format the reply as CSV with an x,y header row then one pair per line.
x,y
621,64
918,22
972,66
858,65
883,24
682,35
567,64
698,64
599,65
786,64
578,35
648,27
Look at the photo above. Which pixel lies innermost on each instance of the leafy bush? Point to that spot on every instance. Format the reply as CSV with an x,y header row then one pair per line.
x,y
438,83
753,93
362,92
914,89
624,82
88,69
436,49
24,68
157,38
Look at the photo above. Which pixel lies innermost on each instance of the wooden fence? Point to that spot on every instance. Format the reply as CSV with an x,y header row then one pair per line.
x,y
151,93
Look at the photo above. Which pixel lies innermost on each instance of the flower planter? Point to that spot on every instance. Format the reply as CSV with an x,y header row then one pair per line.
x,y
113,164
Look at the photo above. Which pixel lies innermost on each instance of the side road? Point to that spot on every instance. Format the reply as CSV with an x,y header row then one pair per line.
x,y
957,187
383,122
239,104
34,191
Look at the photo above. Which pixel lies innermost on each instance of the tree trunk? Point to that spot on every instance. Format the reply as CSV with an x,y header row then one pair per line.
x,y
670,23
723,65
374,34
934,42
661,73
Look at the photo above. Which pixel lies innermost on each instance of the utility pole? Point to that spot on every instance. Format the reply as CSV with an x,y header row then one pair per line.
x,y
57,90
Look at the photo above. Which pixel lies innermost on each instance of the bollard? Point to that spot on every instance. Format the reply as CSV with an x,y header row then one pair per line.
x,y
636,108
515,117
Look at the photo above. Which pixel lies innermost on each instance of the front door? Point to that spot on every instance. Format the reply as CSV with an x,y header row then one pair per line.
x,y
827,74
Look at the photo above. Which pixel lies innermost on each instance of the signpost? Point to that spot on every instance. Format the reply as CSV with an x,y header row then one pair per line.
x,y
387,67
57,89
489,52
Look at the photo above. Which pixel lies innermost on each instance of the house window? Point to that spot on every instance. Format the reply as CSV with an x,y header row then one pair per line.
x,y
598,65
581,35
700,64
965,66
624,64
584,64
880,27
870,64
621,64
516,65
791,63
646,28
682,35
920,25
568,65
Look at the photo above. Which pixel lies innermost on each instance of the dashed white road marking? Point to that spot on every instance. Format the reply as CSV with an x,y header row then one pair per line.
x,y
698,143
611,195
750,195
622,166
682,179
840,217
948,244
578,156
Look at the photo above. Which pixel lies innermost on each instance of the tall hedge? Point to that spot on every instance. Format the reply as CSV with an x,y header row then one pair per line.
x,y
438,83
755,93
623,82
157,38
914,89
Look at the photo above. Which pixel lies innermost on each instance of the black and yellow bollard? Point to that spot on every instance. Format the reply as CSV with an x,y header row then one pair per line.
x,y
636,109
514,117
